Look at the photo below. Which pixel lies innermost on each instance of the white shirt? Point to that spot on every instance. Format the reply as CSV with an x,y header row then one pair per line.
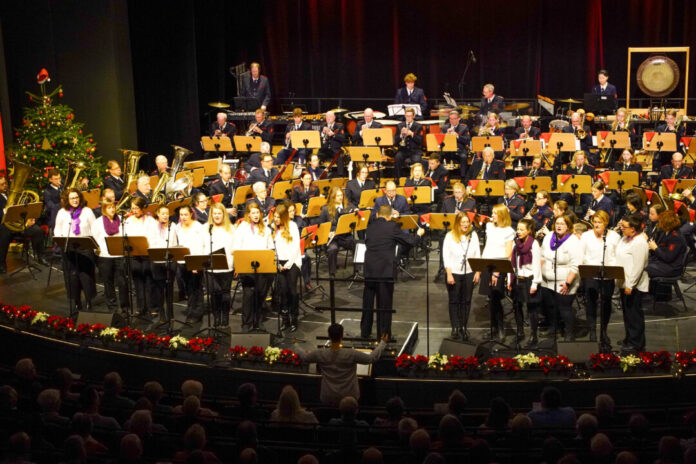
x,y
192,238
99,235
454,254
532,269
139,227
65,227
222,239
633,256
289,251
496,240
157,236
568,257
593,248
245,239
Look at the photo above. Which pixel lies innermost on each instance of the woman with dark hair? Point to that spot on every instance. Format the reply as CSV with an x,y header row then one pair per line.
x,y
651,231
524,283
303,192
301,223
75,220
191,234
139,224
110,267
542,212
667,252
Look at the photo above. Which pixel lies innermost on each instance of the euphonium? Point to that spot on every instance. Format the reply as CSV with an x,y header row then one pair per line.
x,y
73,175
158,195
580,133
174,186
16,194
131,158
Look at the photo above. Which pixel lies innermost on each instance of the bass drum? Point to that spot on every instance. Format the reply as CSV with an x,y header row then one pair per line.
x,y
557,125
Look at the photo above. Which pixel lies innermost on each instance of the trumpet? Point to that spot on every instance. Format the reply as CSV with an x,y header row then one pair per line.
x,y
486,130
250,132
402,143
580,133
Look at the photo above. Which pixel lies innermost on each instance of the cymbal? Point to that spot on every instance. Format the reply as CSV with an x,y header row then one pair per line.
x,y
429,122
219,104
468,108
516,106
570,100
339,110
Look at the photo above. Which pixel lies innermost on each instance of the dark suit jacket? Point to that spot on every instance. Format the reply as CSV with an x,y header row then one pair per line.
x,y
353,190
265,207
417,97
333,144
495,172
117,184
605,204
316,173
534,132
201,216
381,238
400,204
517,207
463,136
262,93
662,127
538,173
414,143
138,193
217,187
229,129
667,171
587,170
52,204
610,90
439,176
357,139
584,143
449,205
257,175
495,106
267,127
324,215
301,196
619,166
666,259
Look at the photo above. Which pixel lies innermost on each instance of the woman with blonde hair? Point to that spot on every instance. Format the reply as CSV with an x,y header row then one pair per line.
x,y
516,205
219,237
289,409
336,206
287,244
499,242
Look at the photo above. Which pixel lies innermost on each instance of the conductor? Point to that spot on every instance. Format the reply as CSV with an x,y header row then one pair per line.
x,y
381,238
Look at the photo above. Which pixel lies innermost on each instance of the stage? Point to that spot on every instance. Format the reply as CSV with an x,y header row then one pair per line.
x,y
667,328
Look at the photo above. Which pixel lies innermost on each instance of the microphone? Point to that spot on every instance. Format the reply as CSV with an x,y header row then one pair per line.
x,y
210,228
473,57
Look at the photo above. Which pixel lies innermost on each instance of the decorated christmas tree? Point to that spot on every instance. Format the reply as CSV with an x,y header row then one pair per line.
x,y
50,138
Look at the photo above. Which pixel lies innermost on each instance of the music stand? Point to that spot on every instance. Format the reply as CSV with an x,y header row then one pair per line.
x,y
478,143
92,197
442,221
575,184
169,256
441,143
172,206
382,137
305,139
599,104
320,238
601,272
524,150
241,194
366,155
282,189
399,109
491,265
217,144
533,184
368,197
211,166
23,213
560,144
351,223
246,144
314,206
246,104
658,142
623,180
419,195
679,186
128,246
207,264
255,262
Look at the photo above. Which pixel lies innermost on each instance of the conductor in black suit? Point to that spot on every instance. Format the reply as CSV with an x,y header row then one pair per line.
x,y
381,239
255,85
368,122
490,103
408,140
409,94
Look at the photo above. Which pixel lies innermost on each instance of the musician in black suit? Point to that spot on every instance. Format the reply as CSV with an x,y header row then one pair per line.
x,y
527,130
575,125
667,252
600,202
459,201
314,168
201,210
417,179
161,165
368,122
409,94
224,185
454,125
438,176
108,196
333,137
669,125
34,232
222,128
408,140
296,124
382,237
51,197
143,189
303,192
604,87
266,173
355,187
261,197
256,85
627,161
491,103
578,165
398,203
261,127
676,170
114,180
515,203
336,206
486,167
536,169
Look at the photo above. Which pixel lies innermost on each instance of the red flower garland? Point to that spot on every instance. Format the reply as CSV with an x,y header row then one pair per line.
x,y
458,363
685,358
601,361
506,364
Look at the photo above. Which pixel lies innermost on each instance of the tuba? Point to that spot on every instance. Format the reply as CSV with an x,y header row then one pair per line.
x,y
131,158
580,133
176,187
72,178
17,195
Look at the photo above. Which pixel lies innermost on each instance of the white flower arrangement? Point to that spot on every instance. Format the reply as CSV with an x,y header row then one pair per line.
x,y
40,317
628,361
271,354
177,341
437,361
527,360
109,332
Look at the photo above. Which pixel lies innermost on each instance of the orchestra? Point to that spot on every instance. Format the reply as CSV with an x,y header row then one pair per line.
x,y
538,230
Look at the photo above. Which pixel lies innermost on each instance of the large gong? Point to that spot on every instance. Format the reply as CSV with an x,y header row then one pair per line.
x,y
658,76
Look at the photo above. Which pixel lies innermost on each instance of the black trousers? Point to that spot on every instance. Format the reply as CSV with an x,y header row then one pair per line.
x,y
306,269
459,296
495,295
161,294
79,274
634,320
287,290
111,271
36,236
194,291
592,289
344,241
221,283
142,282
554,304
384,291
405,156
521,295
253,294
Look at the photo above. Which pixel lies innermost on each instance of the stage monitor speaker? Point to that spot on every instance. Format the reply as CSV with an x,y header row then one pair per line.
x,y
455,348
577,352
84,317
491,349
248,340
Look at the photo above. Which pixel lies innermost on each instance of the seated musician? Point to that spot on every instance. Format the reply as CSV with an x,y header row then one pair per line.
x,y
676,170
667,253
336,206
224,185
454,125
600,202
266,173
459,201
108,195
409,94
296,125
579,167
262,199
51,197
256,85
542,212
143,189
669,125
161,165
201,210
537,170
33,232
398,203
262,127
418,179
627,161
561,208
492,127
408,140
368,122
651,231
438,175
634,207
333,137
513,201
527,130
688,229
114,180
222,128
254,159
303,192
491,103
314,168
586,141
622,124
355,187
486,167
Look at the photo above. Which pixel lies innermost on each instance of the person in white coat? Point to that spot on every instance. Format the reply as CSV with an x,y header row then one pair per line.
x,y
220,233
286,238
191,234
526,280
110,267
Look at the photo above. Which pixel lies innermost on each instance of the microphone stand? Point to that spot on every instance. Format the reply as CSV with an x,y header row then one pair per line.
x,y
556,310
601,287
462,81
169,290
68,277
208,270
128,277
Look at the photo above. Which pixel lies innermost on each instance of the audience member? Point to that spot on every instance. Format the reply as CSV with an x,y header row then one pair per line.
x,y
18,448
450,435
605,410
112,401
406,427
193,388
289,409
551,413
63,379
395,412
49,405
601,449
626,457
131,449
348,408
586,426
195,440
372,455
90,405
419,444
74,450
154,392
669,450
498,419
26,382
82,426
248,407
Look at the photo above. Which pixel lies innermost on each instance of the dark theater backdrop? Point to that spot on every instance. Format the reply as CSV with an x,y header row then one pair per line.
x,y
141,72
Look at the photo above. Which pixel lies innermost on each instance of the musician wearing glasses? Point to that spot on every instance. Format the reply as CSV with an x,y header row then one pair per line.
x,y
537,168
296,125
161,165
515,204
486,167
114,180
368,122
261,127
408,140
224,185
676,170
527,130
454,125
222,128
409,94
256,85
577,127
333,137
266,173
143,189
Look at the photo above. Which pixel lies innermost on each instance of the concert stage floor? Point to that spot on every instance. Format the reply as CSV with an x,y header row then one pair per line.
x,y
667,328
